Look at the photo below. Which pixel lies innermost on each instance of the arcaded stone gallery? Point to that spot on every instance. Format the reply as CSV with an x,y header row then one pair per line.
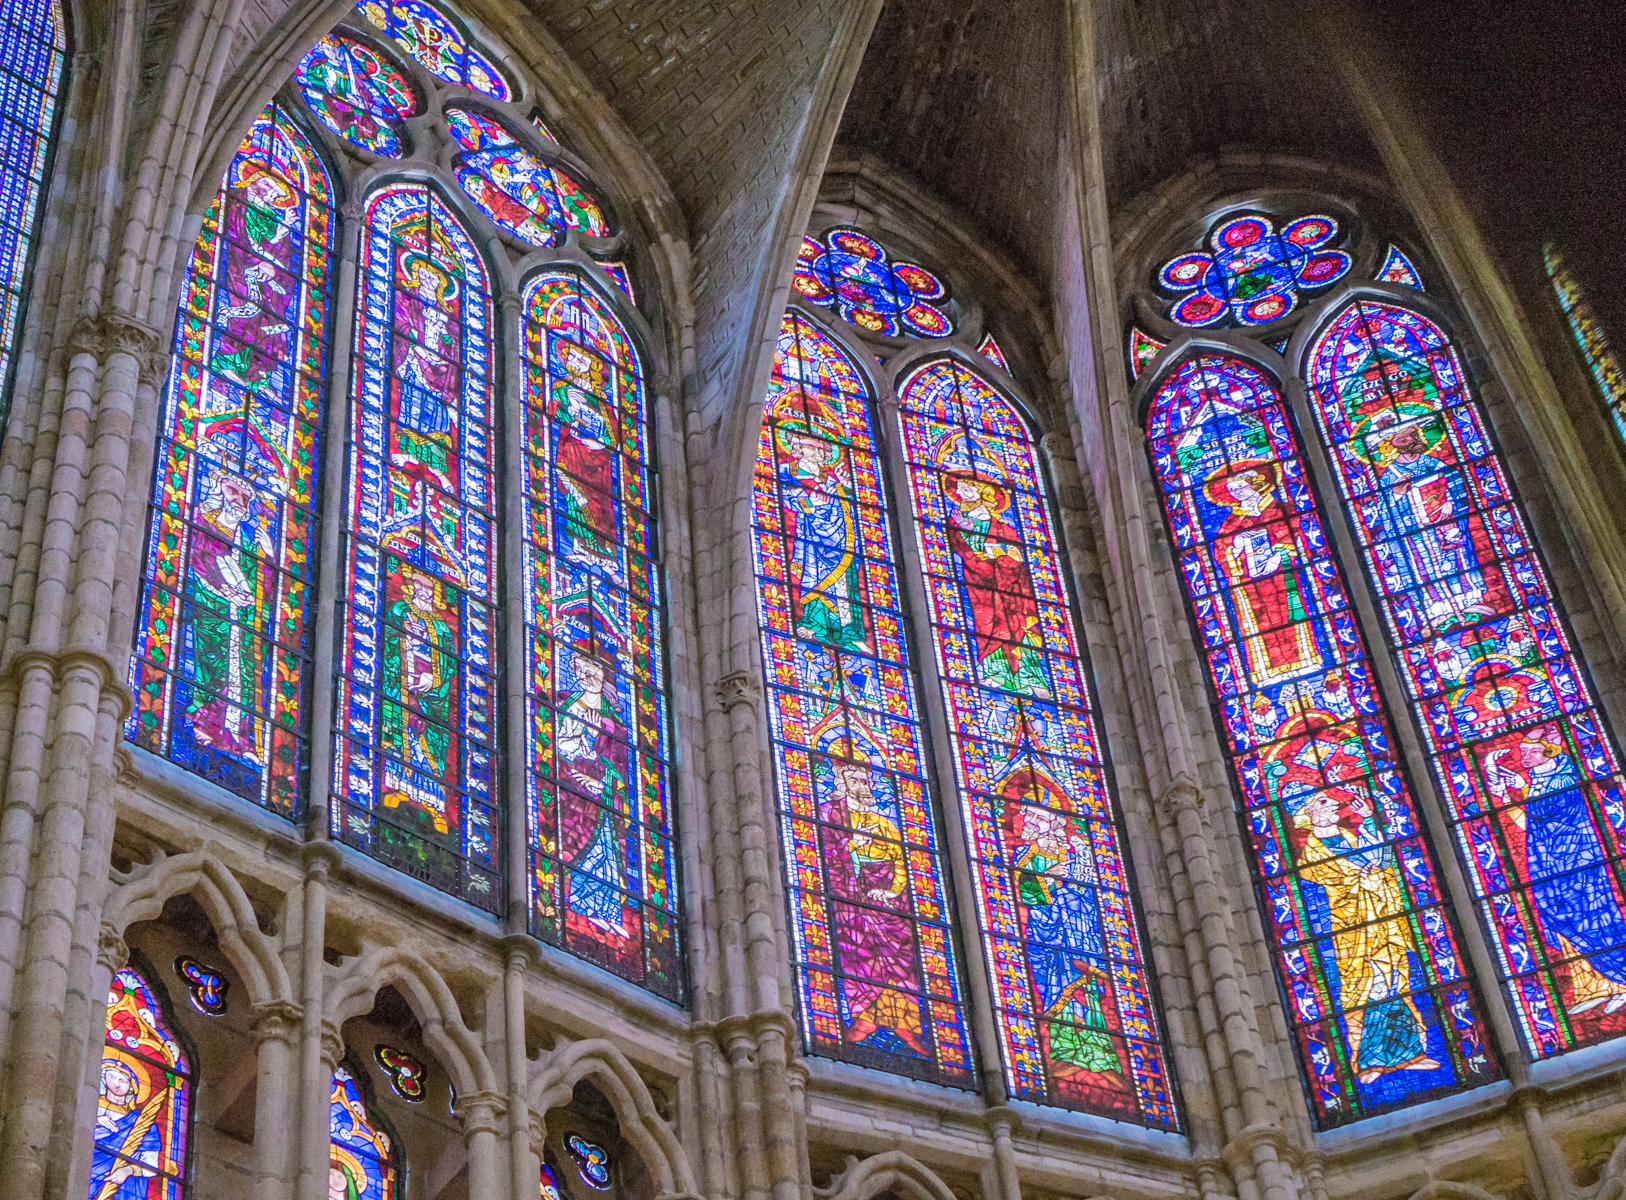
x,y
792,600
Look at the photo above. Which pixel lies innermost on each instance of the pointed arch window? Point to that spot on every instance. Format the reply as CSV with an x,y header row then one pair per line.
x,y
603,876
1527,767
222,651
1072,994
33,58
361,1160
144,1097
1373,982
414,760
877,979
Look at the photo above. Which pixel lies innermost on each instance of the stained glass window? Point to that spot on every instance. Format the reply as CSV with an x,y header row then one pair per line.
x,y
144,1100
1250,274
437,41
875,964
406,1074
1372,978
1072,1000
1143,348
1397,268
1595,348
854,275
623,278
360,1163
990,350
206,986
603,873
591,1159
1529,772
523,195
222,650
414,758
357,93
35,40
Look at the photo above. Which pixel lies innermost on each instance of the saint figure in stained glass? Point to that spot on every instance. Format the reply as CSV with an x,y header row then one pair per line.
x,y
143,1105
220,654
413,771
438,42
35,36
1072,995
854,275
598,785
1373,982
360,1163
358,93
1524,759
876,976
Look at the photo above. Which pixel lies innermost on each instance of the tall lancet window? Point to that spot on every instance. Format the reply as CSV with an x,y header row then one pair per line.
x,y
598,806
1372,976
361,1153
222,651
1600,356
33,54
876,975
1526,764
414,762
1065,955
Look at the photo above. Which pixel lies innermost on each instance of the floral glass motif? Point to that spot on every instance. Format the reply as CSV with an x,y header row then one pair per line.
x,y
205,985
1528,768
851,273
437,42
144,1101
591,1159
549,1189
875,963
1072,997
603,874
1372,978
34,41
1397,268
1251,275
222,651
406,1074
1143,350
360,1165
1595,348
414,764
526,197
357,93
990,350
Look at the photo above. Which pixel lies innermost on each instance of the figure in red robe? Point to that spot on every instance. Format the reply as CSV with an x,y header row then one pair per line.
x,y
998,585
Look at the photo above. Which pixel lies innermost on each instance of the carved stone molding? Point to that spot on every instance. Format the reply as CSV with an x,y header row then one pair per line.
x,y
1239,1150
748,1029
102,337
60,664
1180,796
481,1112
332,1045
738,688
277,1021
111,950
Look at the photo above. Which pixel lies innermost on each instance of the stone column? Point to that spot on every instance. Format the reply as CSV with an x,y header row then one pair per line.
x,y
111,955
481,1116
320,1046
524,1169
276,1032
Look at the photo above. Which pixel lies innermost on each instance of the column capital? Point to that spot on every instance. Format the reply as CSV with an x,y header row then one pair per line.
x,y
521,952
1180,796
481,1112
737,688
103,336
1240,1149
999,1117
277,1021
320,859
332,1044
59,663
111,950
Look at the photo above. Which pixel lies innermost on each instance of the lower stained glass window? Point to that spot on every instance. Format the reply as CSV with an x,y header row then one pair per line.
x,y
1373,983
414,757
1530,774
360,1163
603,877
221,651
877,980
34,36
1072,999
144,1102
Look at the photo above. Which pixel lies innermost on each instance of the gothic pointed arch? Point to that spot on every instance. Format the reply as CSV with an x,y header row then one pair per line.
x,y
876,976
222,655
1512,728
1073,998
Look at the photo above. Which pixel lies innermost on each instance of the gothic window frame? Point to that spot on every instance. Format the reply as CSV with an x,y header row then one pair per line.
x,y
606,266
1283,352
25,272
884,363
